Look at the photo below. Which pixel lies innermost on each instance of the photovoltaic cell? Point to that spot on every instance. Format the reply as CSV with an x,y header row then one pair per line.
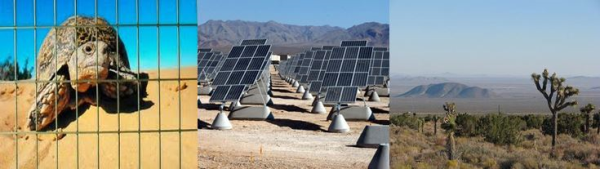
x,y
333,94
236,52
349,94
249,51
315,87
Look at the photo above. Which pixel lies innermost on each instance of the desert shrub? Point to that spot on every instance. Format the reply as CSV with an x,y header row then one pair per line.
x,y
584,154
467,125
533,121
405,119
8,70
568,123
502,129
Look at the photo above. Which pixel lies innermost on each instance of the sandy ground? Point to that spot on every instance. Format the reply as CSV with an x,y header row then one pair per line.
x,y
296,139
92,150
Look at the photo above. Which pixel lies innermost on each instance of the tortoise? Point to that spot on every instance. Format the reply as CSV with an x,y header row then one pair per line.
x,y
73,60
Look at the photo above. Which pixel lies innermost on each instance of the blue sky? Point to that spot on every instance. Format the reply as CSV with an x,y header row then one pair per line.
x,y
342,13
108,10
495,37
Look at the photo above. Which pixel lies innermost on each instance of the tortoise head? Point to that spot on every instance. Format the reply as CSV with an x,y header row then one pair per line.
x,y
89,63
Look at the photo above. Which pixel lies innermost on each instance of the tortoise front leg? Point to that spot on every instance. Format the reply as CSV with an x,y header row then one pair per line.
x,y
52,98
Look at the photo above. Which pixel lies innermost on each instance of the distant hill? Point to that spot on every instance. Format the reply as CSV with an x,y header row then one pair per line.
x,y
596,88
448,90
287,39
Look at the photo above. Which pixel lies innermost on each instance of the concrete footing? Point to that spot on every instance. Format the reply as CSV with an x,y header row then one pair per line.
x,y
381,159
204,90
307,95
374,135
251,113
221,122
318,108
300,89
258,99
339,125
295,83
374,97
354,113
234,105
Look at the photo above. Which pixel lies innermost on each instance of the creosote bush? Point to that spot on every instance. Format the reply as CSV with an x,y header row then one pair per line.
x,y
407,120
502,129
568,123
534,121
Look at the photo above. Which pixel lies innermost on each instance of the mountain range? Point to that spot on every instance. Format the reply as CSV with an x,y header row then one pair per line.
x,y
286,38
448,90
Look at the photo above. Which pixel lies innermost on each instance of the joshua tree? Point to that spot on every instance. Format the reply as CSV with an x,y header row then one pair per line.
x,y
587,112
435,120
555,96
449,125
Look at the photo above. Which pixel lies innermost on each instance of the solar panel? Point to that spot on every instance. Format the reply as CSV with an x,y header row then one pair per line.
x,y
305,66
227,93
380,66
207,61
348,66
354,43
237,68
254,42
341,94
347,69
242,67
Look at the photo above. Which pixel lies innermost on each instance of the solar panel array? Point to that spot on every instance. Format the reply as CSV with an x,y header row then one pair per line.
x,y
317,71
340,70
243,67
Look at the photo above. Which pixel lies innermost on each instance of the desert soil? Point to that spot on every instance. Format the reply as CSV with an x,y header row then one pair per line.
x,y
91,150
295,139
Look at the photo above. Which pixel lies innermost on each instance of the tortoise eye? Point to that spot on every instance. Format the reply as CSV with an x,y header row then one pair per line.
x,y
88,49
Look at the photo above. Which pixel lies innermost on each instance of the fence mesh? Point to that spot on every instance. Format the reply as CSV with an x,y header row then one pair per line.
x,y
155,129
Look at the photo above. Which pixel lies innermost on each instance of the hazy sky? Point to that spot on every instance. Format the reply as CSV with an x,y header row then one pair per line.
x,y
26,48
342,13
495,37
